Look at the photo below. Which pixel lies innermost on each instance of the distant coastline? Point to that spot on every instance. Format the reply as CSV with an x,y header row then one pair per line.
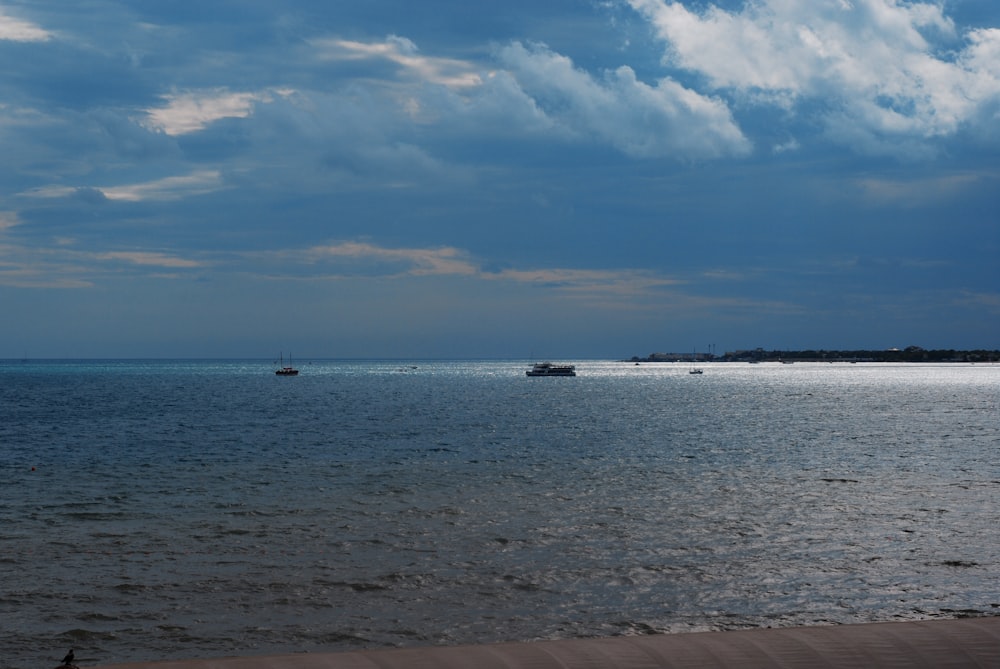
x,y
908,354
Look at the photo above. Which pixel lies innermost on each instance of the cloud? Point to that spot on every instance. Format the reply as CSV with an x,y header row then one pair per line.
x,y
534,91
414,261
354,258
16,30
986,302
982,56
882,73
404,53
148,259
641,120
31,278
33,267
63,265
168,188
787,146
502,107
616,282
922,192
190,112
8,219
52,192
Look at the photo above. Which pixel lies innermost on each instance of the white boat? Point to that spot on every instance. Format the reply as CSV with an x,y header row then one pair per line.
x,y
286,370
548,369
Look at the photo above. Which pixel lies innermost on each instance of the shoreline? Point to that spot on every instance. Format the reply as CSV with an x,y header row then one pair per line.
x,y
955,643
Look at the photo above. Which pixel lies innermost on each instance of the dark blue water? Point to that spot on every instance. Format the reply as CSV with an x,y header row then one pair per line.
x,y
165,509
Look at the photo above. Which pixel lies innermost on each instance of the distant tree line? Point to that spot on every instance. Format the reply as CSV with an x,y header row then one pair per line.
x,y
908,354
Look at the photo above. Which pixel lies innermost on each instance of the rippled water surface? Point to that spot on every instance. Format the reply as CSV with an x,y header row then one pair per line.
x,y
164,509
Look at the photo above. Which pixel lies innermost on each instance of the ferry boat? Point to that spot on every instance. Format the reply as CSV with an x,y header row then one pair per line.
x,y
548,369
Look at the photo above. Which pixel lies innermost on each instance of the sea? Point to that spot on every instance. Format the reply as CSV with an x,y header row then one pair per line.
x,y
170,509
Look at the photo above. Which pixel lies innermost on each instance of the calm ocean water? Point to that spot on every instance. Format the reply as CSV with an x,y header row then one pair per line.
x,y
175,509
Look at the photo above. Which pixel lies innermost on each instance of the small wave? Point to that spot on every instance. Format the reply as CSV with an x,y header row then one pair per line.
x,y
84,635
367,587
97,617
966,613
339,638
136,587
637,628
99,516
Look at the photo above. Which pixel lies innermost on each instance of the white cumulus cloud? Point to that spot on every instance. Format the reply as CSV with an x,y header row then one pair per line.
x,y
882,71
640,119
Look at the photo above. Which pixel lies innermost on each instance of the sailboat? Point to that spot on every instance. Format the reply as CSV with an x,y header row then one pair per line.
x,y
695,370
286,370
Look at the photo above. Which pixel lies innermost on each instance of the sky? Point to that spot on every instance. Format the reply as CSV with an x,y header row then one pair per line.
x,y
551,179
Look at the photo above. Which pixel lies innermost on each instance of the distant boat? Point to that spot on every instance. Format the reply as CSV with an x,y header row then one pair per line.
x,y
548,369
286,370
695,370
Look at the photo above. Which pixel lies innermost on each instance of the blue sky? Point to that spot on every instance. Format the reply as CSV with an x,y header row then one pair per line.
x,y
561,179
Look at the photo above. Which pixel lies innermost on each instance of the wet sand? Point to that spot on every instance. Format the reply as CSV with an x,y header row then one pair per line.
x,y
960,643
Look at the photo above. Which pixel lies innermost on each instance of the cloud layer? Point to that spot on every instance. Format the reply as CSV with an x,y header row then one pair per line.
x,y
661,166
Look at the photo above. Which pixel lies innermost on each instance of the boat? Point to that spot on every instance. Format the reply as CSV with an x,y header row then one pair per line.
x,y
548,369
286,370
695,370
